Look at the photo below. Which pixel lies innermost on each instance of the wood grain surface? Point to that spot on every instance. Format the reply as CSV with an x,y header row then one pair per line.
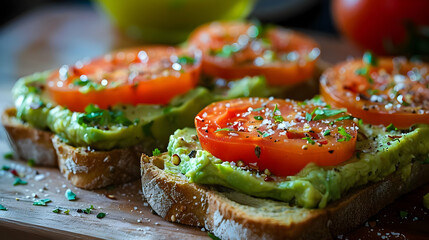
x,y
56,35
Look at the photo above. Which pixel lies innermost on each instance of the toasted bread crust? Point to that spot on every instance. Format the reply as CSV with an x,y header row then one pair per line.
x,y
232,215
84,168
90,169
28,142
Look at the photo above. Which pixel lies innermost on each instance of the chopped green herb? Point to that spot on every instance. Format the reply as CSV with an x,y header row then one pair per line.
x,y
365,73
260,133
403,214
258,118
87,85
70,195
56,210
308,117
156,152
224,129
258,109
391,127
183,60
266,134
347,117
309,140
278,118
96,117
31,162
345,134
67,211
275,109
88,210
258,151
370,59
426,160
42,202
19,181
6,168
326,113
360,122
3,208
212,236
327,132
8,155
101,215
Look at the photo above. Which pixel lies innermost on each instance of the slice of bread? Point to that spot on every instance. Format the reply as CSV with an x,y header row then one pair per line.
x,y
83,167
28,142
233,215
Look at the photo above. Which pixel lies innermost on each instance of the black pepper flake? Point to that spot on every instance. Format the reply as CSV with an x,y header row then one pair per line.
x,y
79,210
258,151
192,154
331,151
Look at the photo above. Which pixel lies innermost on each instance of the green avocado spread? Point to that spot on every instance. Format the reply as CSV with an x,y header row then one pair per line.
x,y
122,125
380,153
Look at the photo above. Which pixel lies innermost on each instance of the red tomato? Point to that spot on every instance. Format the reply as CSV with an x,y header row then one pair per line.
x,y
393,90
152,75
233,50
380,25
278,135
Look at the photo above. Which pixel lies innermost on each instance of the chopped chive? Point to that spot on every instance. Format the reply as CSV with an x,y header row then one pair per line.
x,y
278,118
224,129
326,113
3,208
308,117
5,168
156,152
101,215
327,132
345,134
309,140
348,117
258,118
56,210
391,127
258,109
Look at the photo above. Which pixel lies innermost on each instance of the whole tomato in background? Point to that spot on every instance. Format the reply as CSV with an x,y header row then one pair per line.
x,y
387,27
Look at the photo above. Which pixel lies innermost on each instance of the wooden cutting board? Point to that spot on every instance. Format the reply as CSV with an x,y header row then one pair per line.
x,y
45,39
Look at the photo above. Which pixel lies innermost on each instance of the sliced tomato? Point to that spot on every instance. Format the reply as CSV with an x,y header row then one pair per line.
x,y
393,90
152,75
278,135
233,50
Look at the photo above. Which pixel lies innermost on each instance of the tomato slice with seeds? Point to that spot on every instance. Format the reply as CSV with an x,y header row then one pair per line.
x,y
278,135
233,50
151,75
388,91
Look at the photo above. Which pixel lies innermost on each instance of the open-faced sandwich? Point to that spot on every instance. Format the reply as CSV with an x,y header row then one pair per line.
x,y
96,117
257,168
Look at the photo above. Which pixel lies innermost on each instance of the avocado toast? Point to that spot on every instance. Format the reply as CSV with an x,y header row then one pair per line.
x,y
95,146
260,168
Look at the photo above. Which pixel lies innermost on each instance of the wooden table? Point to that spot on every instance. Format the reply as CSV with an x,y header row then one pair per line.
x,y
45,39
